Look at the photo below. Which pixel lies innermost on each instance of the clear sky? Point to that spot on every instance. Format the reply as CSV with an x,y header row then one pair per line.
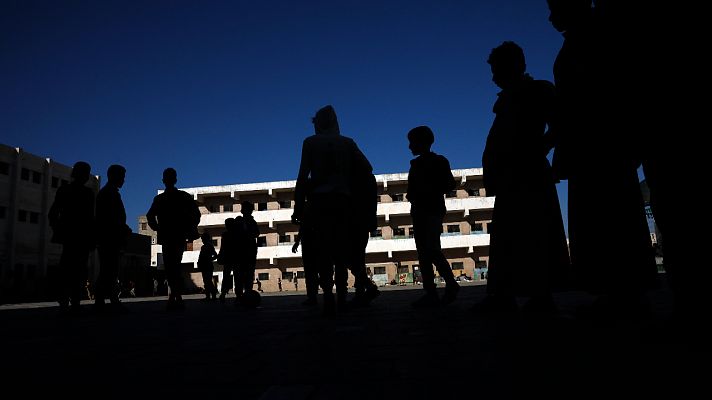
x,y
224,91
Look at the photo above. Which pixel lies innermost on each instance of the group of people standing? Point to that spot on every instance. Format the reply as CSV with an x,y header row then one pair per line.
x,y
581,116
80,225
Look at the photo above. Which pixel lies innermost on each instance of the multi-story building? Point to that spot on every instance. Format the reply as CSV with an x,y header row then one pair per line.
x,y
391,253
28,184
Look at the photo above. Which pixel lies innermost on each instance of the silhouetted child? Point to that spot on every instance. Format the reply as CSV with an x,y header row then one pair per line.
x,y
228,254
305,237
429,179
246,240
205,265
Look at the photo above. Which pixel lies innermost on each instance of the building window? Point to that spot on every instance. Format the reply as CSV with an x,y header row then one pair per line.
x,y
288,276
36,177
262,241
453,228
378,198
34,217
213,208
399,232
378,233
263,276
300,274
285,204
189,246
473,192
25,174
379,270
452,193
262,206
457,265
397,197
477,227
3,212
4,168
285,238
144,226
403,269
227,207
21,215
480,264
55,182
215,243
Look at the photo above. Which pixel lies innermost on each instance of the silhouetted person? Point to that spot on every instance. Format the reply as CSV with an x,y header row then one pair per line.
x,y
362,217
258,282
205,265
328,161
305,238
229,248
518,173
429,179
595,150
279,284
247,234
112,234
71,217
175,217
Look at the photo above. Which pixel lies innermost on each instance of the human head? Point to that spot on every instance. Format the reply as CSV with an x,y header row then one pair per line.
x,y
507,64
206,238
325,121
420,139
567,14
170,177
246,207
81,172
116,175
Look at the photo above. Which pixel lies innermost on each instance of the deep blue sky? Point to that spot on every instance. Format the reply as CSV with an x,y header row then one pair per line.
x,y
223,91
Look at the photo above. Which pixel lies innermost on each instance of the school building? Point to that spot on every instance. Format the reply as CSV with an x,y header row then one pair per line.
x,y
28,259
391,254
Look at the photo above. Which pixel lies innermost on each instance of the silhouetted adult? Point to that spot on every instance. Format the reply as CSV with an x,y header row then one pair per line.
x,y
328,162
71,217
595,150
175,217
656,54
518,173
429,179
112,234
205,265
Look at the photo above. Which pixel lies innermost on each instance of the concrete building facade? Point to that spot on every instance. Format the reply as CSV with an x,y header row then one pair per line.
x,y
28,184
391,252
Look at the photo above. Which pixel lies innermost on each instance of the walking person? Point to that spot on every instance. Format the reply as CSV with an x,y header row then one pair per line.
x,y
112,234
175,217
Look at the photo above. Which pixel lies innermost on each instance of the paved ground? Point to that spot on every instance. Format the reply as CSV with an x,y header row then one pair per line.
x,y
286,351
